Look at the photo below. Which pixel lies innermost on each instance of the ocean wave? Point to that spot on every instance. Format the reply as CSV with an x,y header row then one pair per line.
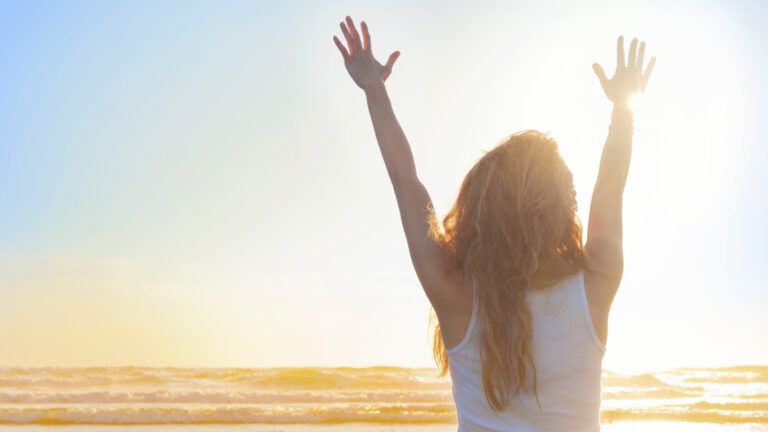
x,y
141,395
326,414
683,415
763,369
314,378
220,397
304,378
318,414
729,378
655,393
81,377
633,381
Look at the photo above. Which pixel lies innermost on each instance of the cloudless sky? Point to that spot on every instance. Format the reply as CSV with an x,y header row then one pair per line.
x,y
198,183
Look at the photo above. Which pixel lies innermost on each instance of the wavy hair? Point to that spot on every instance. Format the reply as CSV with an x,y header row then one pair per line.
x,y
513,227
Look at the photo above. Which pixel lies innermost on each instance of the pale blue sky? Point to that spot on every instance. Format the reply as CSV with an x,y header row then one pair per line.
x,y
197,183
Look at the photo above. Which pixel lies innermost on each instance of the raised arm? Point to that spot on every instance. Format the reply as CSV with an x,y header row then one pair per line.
x,y
413,200
604,239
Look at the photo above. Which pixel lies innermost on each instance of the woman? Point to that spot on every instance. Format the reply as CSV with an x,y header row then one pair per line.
x,y
522,304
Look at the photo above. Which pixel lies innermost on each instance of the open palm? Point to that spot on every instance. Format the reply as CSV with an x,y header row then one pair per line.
x,y
365,70
629,78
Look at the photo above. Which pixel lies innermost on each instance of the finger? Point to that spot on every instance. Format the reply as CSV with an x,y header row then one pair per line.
x,y
391,59
620,53
648,71
366,36
632,59
355,34
640,56
348,37
599,72
341,48
390,62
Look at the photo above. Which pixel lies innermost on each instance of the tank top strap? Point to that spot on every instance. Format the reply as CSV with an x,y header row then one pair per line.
x,y
584,301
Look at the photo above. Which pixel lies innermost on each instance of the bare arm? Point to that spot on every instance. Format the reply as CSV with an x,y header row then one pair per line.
x,y
604,242
413,200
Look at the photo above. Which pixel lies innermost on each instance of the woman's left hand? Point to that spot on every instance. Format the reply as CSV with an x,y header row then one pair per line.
x,y
629,78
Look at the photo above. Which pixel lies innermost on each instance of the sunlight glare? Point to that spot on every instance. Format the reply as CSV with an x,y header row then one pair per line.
x,y
635,102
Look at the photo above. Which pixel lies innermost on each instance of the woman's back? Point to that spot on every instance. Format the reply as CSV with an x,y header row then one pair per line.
x,y
568,359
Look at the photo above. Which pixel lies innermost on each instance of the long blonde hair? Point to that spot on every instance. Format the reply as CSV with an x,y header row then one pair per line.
x,y
513,227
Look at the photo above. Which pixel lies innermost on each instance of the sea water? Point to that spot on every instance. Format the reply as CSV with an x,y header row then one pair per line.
x,y
374,399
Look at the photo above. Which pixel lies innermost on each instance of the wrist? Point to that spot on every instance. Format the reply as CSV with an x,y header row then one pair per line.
x,y
622,118
622,107
622,111
375,90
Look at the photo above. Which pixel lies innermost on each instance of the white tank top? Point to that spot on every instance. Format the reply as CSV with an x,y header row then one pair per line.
x,y
568,355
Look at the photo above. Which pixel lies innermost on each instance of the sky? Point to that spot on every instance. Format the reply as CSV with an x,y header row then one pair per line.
x,y
197,183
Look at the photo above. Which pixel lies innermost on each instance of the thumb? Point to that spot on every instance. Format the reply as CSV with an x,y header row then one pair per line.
x,y
390,62
599,72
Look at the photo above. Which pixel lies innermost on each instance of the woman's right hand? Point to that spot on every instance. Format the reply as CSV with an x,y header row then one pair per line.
x,y
364,69
629,78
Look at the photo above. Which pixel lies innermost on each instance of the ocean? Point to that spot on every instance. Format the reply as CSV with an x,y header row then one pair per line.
x,y
373,399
